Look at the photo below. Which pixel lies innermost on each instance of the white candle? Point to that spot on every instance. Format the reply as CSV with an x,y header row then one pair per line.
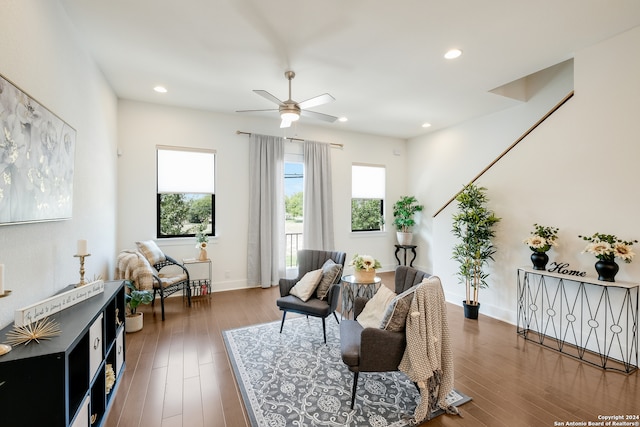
x,y
1,279
82,247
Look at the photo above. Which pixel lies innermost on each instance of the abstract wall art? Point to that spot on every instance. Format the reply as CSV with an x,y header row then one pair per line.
x,y
37,151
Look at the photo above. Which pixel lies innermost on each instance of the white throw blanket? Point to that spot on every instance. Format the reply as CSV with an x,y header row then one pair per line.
x,y
428,360
132,265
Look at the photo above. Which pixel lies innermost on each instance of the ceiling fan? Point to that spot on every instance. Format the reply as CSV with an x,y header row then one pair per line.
x,y
291,110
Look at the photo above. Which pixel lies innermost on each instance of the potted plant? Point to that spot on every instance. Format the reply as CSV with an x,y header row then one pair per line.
x,y
542,239
403,212
608,247
133,298
473,225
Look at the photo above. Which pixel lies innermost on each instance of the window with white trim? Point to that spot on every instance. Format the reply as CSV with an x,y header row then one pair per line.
x,y
186,191
367,197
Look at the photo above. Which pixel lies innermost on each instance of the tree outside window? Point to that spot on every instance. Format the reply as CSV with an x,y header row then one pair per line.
x,y
367,197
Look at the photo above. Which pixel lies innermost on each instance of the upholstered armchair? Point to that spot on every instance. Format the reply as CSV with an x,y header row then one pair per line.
x,y
324,301
375,349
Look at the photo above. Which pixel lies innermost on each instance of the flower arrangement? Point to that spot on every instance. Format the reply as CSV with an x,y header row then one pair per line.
x,y
607,247
364,262
202,238
542,238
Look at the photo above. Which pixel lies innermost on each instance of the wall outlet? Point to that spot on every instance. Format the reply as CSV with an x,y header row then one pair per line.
x,y
227,274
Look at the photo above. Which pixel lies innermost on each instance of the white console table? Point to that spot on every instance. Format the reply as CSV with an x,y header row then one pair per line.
x,y
583,317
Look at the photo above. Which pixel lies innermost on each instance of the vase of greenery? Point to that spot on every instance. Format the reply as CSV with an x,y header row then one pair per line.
x,y
403,211
542,239
606,248
133,298
473,225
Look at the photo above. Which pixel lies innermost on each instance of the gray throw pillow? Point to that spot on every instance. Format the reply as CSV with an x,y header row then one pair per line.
x,y
395,318
330,270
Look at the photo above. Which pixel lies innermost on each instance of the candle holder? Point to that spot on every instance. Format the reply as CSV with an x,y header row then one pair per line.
x,y
82,281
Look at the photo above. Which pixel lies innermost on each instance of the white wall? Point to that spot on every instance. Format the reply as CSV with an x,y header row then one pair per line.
x,y
42,55
142,126
576,172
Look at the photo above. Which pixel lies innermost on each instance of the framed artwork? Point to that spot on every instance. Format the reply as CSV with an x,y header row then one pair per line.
x,y
37,151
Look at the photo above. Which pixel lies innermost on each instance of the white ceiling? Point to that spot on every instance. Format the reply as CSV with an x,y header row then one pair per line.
x,y
382,60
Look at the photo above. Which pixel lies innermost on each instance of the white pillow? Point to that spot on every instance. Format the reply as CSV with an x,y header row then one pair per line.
x,y
373,312
307,285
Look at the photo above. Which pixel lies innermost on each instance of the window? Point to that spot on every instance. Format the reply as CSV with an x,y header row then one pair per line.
x,y
367,197
186,191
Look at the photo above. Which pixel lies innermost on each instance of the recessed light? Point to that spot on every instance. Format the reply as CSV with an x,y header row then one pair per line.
x,y
453,53
160,89
426,125
343,119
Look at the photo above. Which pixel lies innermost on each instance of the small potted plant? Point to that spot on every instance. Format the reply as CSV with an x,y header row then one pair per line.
x,y
541,240
133,298
607,247
473,225
403,212
364,268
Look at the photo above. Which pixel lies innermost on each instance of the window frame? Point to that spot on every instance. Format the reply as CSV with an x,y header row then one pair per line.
x,y
381,199
159,194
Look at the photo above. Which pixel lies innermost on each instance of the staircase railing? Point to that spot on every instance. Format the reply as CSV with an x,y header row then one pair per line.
x,y
523,136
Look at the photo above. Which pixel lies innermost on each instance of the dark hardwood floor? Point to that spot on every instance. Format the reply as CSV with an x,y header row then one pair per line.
x,y
178,373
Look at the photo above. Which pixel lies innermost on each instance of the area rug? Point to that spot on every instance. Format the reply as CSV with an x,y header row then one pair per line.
x,y
294,379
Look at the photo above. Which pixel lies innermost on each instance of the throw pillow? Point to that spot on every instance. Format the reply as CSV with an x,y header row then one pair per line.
x,y
151,251
395,316
374,309
330,270
307,285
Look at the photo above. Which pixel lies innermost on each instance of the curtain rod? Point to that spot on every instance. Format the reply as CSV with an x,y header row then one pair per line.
x,y
333,144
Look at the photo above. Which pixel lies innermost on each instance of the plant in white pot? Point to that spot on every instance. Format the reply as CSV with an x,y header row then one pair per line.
x,y
473,226
133,298
403,211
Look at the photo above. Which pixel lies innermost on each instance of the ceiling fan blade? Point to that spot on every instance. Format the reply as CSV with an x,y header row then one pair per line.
x,y
254,111
267,95
315,101
285,124
319,116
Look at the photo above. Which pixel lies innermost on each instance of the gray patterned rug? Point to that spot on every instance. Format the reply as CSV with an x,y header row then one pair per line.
x,y
294,379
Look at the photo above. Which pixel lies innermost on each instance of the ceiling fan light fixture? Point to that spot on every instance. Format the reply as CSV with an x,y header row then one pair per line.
x,y
289,116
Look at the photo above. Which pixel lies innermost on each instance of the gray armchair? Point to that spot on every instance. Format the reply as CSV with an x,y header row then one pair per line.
x,y
374,349
309,260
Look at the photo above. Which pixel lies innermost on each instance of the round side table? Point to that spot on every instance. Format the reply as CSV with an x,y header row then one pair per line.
x,y
351,289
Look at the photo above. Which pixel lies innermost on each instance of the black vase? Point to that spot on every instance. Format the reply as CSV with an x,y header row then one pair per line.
x,y
539,260
471,310
607,270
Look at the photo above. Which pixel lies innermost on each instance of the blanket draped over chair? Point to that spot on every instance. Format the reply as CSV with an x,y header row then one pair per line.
x,y
428,359
132,265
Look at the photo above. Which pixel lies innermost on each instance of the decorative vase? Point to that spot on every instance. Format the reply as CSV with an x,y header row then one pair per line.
x,y
203,255
364,276
471,310
404,238
607,270
539,260
133,322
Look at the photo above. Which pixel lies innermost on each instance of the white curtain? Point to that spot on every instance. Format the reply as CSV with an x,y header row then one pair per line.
x,y
266,211
318,197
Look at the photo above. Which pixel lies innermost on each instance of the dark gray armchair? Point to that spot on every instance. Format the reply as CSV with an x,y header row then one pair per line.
x,y
374,349
309,260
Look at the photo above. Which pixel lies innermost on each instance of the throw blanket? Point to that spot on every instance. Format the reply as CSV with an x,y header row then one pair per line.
x,y
427,359
132,265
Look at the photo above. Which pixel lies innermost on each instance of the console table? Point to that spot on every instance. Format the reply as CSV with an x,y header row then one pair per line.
x,y
583,317
406,248
62,381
